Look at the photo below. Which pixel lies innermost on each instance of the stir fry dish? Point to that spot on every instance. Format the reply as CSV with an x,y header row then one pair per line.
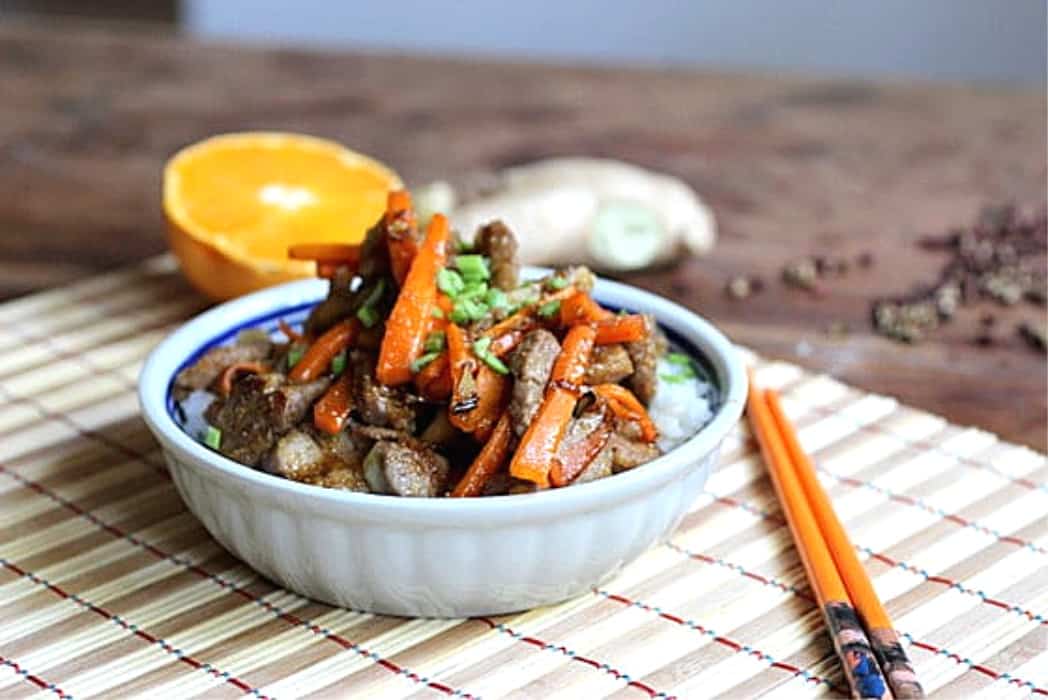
x,y
431,369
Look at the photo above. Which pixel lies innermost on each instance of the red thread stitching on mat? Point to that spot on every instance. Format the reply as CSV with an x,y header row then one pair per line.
x,y
942,514
136,631
917,503
34,679
833,411
878,429
606,668
233,588
984,670
957,585
736,647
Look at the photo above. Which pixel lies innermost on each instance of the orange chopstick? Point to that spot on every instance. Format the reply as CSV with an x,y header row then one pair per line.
x,y
849,641
886,647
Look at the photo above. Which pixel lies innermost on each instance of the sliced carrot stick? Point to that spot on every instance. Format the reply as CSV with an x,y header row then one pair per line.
x,y
624,404
492,396
621,329
228,375
478,393
402,237
332,411
520,323
570,366
317,357
461,367
408,323
534,456
538,448
580,308
291,333
434,380
342,253
523,320
490,459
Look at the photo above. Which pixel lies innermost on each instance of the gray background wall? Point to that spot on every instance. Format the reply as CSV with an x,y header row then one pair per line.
x,y
986,40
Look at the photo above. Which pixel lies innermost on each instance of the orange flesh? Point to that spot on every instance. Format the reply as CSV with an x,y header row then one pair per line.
x,y
258,199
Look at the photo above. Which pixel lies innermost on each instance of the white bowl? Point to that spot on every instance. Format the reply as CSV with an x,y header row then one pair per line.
x,y
437,557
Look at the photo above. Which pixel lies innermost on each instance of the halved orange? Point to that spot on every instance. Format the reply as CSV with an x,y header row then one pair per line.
x,y
235,203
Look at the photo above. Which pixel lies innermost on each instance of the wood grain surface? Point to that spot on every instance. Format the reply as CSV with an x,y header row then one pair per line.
x,y
791,166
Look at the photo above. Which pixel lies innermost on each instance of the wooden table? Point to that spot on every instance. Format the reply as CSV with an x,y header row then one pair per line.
x,y
791,166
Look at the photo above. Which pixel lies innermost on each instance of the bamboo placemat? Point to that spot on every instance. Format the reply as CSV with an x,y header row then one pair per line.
x,y
108,586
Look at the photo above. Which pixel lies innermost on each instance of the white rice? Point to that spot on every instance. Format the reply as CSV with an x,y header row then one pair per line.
x,y
680,408
193,408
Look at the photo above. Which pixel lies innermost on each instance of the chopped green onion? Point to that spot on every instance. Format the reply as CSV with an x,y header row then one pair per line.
x,y
376,292
683,366
473,290
495,363
496,299
368,316
678,358
549,309
482,348
367,313
482,345
476,310
434,342
437,313
450,282
556,283
213,437
338,363
467,310
473,267
424,360
294,354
